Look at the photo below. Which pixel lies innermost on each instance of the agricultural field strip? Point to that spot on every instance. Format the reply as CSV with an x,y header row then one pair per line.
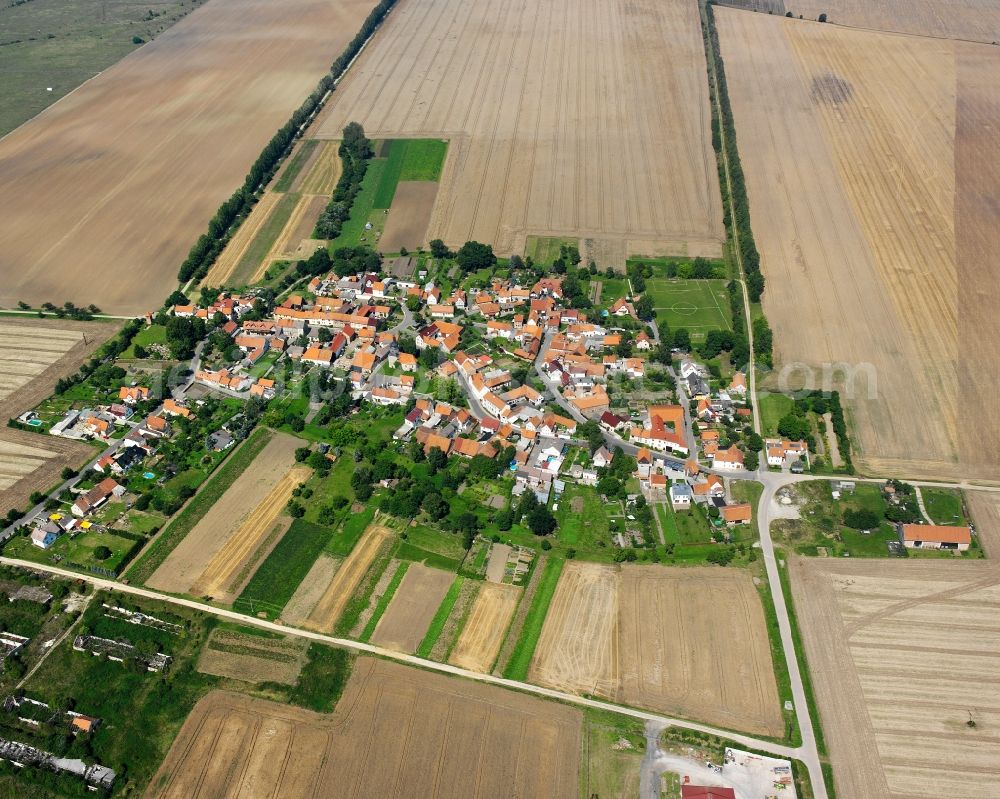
x,y
346,643
27,351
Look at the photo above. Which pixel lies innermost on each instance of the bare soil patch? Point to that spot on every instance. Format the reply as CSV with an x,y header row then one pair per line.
x,y
150,148
686,641
216,550
397,732
589,122
873,285
479,644
252,658
347,578
409,216
404,623
908,652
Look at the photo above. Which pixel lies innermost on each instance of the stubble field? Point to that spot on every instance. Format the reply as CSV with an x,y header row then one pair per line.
x,y
224,544
347,578
404,623
396,732
34,354
572,119
118,179
479,643
903,655
685,641
849,144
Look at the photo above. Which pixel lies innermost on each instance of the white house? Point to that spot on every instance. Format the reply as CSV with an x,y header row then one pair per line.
x,y
680,496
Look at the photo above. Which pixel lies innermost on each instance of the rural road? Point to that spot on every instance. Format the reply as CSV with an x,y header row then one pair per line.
x,y
412,660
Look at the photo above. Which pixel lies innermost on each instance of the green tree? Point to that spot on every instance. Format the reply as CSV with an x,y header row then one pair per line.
x,y
474,255
541,521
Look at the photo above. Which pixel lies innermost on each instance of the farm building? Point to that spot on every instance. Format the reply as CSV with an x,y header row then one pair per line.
x,y
934,536
703,792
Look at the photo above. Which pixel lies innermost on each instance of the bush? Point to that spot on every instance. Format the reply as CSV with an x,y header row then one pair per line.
x,y
102,553
861,519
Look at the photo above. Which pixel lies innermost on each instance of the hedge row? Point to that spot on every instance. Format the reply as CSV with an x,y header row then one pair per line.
x,y
233,211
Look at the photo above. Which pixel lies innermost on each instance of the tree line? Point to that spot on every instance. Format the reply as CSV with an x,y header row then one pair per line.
x,y
355,152
742,234
235,209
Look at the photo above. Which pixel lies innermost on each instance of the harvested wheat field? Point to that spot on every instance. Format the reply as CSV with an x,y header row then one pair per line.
x,y
984,507
404,623
347,578
975,20
479,643
221,544
253,658
860,244
321,172
903,655
409,216
396,732
233,565
120,177
564,118
685,641
229,259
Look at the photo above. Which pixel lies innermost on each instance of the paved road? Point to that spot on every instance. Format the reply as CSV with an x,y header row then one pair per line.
x,y
412,660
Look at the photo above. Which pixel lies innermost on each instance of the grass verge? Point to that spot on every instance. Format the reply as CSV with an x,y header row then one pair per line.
x,y
184,522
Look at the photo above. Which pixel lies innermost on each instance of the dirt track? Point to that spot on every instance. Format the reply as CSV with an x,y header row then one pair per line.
x,y
185,566
686,641
902,653
405,622
347,578
586,118
120,178
397,732
479,643
220,576
864,262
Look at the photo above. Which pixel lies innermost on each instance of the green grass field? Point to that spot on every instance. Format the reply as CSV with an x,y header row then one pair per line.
x,y
287,178
432,548
59,44
520,659
545,249
276,579
185,521
612,289
437,623
353,232
154,334
581,516
76,552
409,159
944,506
696,305
772,408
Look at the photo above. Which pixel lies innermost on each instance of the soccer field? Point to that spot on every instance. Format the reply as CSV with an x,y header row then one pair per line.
x,y
696,305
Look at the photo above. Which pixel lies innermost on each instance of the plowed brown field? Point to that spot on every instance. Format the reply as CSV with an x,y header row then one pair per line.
x,y
242,550
397,732
849,145
409,216
229,522
687,641
903,655
347,578
104,192
578,119
479,644
404,623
